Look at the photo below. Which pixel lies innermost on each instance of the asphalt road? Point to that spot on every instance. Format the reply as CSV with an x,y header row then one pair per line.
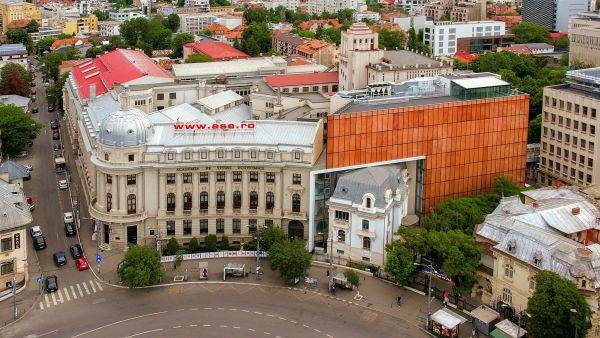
x,y
209,310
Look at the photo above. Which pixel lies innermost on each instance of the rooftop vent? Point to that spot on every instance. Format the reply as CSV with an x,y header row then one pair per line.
x,y
575,211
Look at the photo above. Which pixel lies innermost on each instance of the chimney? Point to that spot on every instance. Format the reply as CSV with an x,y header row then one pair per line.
x,y
535,204
92,91
575,211
556,184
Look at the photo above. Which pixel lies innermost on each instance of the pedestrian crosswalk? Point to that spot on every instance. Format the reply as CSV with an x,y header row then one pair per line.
x,y
68,293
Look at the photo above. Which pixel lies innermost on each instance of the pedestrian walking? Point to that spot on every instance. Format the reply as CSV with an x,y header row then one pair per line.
x,y
446,298
398,300
474,333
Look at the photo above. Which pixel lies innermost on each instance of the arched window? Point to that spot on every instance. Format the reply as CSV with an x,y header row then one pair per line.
x,y
170,201
187,201
131,204
253,200
237,199
506,296
295,203
270,200
341,236
203,200
368,202
367,243
108,202
220,200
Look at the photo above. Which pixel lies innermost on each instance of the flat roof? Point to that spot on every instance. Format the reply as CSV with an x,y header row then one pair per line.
x,y
480,82
286,80
406,57
231,67
395,102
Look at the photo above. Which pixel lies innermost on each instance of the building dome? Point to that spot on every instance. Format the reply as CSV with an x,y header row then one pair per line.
x,y
124,128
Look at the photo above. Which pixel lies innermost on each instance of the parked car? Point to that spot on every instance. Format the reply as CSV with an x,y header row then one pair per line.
x,y
68,217
29,201
29,167
39,242
50,107
76,251
82,264
57,146
51,284
56,135
21,154
60,258
35,231
70,229
54,124
63,184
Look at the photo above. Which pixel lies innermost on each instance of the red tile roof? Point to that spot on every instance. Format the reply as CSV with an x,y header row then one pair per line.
x,y
465,57
21,23
557,35
117,67
218,29
320,23
517,49
68,42
312,46
216,50
287,80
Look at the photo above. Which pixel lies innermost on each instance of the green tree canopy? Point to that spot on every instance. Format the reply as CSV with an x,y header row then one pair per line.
x,y
101,15
224,244
534,133
399,263
332,35
194,246
269,236
54,92
256,39
291,259
44,44
172,246
550,308
51,61
562,43
33,26
16,126
305,33
178,41
215,3
141,267
14,80
19,35
197,58
352,277
390,40
527,32
210,243
172,22
256,15
145,34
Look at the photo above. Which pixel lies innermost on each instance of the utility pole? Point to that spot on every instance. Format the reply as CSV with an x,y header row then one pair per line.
x,y
14,292
258,254
330,261
429,296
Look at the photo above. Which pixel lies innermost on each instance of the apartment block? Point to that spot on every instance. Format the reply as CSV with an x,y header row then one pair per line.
x,y
11,10
455,10
584,39
570,130
443,36
553,14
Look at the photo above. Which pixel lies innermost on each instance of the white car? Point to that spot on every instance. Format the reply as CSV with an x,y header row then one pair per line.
x,y
29,167
35,231
68,217
63,184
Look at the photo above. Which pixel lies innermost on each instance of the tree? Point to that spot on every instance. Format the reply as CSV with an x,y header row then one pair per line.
x,y
332,35
391,39
100,15
51,61
44,44
291,259
206,32
504,187
14,80
194,246
305,33
256,15
19,35
550,308
178,41
224,244
33,26
54,92
352,277
562,43
399,263
256,39
178,259
15,128
197,58
141,267
172,22
219,3
117,41
527,32
92,52
269,236
172,246
210,243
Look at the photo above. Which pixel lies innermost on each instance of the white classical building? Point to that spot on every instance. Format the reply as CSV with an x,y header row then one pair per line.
x,y
365,211
442,36
358,49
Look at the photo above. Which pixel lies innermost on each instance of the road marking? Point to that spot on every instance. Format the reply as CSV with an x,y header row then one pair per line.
x,y
73,292
232,309
220,308
119,322
41,306
193,325
208,308
293,321
305,325
330,336
141,333
86,288
245,311
194,309
317,330
236,327
47,300
60,299
79,289
267,333
251,330
179,310
92,285
281,318
46,333
99,286
206,325
53,298
67,294
270,315
258,313
222,325
177,327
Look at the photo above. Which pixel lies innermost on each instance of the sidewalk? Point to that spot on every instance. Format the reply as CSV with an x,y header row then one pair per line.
x,y
373,293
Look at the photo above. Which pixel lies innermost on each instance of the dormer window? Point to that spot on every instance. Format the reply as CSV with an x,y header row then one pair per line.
x,y
203,155
170,156
297,156
537,258
220,154
253,154
368,202
187,155
512,246
583,283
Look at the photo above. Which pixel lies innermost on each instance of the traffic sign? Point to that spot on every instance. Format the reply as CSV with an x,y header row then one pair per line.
x,y
98,258
39,279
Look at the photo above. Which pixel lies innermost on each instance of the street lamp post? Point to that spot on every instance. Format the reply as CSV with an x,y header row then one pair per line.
x,y
330,279
258,253
428,290
575,324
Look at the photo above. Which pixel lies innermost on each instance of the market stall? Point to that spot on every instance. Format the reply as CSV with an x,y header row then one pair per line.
x,y
445,323
507,329
234,269
484,319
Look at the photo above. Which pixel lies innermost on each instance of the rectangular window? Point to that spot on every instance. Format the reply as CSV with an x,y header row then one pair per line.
x,y
170,156
203,177
187,155
253,154
252,226
270,177
365,224
6,244
297,156
220,226
160,96
108,179
237,176
7,268
172,96
269,155
220,176
590,162
237,154
589,178
237,226
342,215
203,155
203,226
254,176
130,157
131,179
170,178
220,154
297,179
187,227
187,177
170,228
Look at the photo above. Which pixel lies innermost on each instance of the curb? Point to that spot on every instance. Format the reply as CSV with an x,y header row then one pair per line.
x,y
7,296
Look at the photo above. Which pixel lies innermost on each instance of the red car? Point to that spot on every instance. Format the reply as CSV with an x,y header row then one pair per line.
x,y
82,264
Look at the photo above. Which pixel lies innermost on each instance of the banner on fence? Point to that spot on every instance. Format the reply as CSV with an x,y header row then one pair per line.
x,y
218,254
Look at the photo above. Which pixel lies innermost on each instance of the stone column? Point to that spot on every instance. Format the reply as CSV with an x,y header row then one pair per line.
x,y
100,191
115,192
140,198
123,193
212,192
162,196
245,190
228,193
195,195
178,194
279,192
261,192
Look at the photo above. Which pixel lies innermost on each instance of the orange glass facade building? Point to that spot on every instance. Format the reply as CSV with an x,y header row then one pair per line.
x,y
466,143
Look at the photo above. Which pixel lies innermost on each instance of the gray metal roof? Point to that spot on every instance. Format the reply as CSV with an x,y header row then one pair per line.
x,y
15,171
17,100
353,185
14,210
12,48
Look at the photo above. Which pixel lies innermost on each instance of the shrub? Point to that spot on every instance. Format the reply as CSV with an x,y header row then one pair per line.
x,y
172,247
194,246
210,243
224,244
352,277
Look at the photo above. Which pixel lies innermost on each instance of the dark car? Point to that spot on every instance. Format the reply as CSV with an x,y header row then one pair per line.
x,y
76,251
70,229
54,124
51,284
39,242
57,147
34,111
60,258
50,107
56,135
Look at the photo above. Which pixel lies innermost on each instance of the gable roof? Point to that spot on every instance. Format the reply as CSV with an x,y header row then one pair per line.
x,y
117,67
68,42
14,211
217,50
15,171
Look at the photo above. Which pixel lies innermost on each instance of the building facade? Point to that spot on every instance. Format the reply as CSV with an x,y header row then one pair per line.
x,y
455,10
109,28
124,14
442,37
570,130
81,25
553,14
358,49
402,65
11,10
15,53
584,39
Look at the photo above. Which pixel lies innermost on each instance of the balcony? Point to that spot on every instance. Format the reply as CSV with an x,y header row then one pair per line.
x,y
252,211
366,233
340,223
294,215
114,215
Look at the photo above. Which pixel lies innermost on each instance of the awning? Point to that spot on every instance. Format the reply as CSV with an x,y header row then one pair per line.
x,y
484,314
447,318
